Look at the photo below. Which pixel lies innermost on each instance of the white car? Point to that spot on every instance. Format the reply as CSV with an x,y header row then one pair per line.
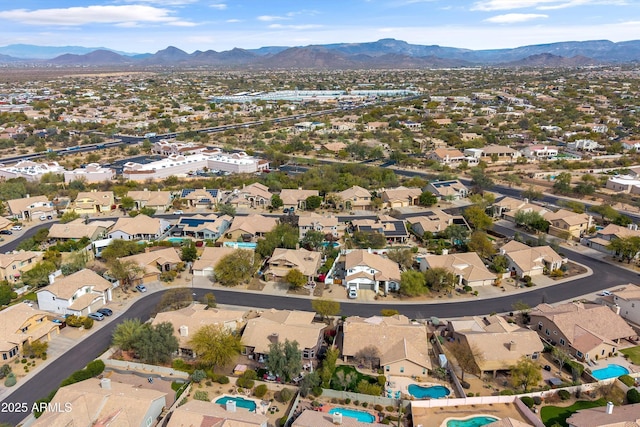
x,y
605,294
352,293
17,228
178,212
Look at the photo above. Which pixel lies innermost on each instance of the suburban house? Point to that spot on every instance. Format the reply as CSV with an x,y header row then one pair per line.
x,y
284,260
187,321
448,190
22,324
158,200
393,229
80,293
496,344
104,402
531,261
604,237
400,197
606,416
626,302
91,202
624,184
205,265
508,207
200,198
91,173
278,326
435,221
566,223
586,331
197,413
450,157
493,153
77,229
468,268
5,223
323,224
30,207
207,227
297,199
401,346
154,262
139,227
366,270
540,152
312,418
254,195
13,264
354,198
250,227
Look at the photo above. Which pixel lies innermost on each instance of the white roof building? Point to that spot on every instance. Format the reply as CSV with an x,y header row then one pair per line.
x,y
93,172
29,170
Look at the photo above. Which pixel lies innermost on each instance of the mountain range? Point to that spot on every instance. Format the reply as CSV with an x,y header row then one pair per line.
x,y
384,53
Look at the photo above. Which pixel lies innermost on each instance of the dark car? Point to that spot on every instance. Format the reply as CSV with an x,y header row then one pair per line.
x,y
105,311
6,232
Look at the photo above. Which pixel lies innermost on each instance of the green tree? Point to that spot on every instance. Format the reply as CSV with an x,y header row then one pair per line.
x,y
477,218
500,264
466,357
125,271
156,344
68,217
440,279
313,202
562,183
312,240
276,201
329,366
38,275
457,234
427,198
525,373
365,387
605,211
147,211
295,278
282,236
215,345
412,283
325,307
480,244
625,247
127,203
531,220
532,194
126,334
483,200
235,268
284,359
480,181
6,293
189,252
175,299
404,257
226,209
365,239
573,206
119,248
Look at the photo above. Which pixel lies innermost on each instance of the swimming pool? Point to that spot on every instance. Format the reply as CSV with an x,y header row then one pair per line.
x,y
176,240
472,422
333,244
611,371
432,392
240,245
363,417
240,402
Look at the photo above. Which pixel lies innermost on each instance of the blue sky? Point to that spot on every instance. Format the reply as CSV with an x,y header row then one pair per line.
x,y
150,25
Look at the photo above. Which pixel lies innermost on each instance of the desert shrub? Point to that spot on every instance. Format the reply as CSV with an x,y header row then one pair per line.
x,y
470,394
347,401
245,382
87,322
382,380
75,321
201,395
95,367
317,391
222,379
465,385
389,408
378,408
527,400
4,371
633,396
261,390
198,375
627,380
506,392
11,380
564,394
365,404
284,395
181,365
537,400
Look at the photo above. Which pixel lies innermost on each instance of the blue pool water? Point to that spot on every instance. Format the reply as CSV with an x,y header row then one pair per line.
x,y
333,244
433,392
240,245
472,422
611,371
363,417
176,239
240,402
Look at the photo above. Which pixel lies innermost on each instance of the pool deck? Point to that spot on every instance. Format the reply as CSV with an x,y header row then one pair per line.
x,y
260,408
444,423
402,384
439,415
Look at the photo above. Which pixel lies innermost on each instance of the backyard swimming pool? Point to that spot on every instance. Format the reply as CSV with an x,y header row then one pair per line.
x,y
472,422
240,402
611,371
240,245
432,392
363,417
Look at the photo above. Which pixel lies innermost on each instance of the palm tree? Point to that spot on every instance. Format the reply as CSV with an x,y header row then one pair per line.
x,y
127,333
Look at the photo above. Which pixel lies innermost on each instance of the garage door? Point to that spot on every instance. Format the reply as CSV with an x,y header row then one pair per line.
x,y
367,286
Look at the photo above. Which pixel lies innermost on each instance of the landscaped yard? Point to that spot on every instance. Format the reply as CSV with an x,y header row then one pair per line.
x,y
633,353
355,377
557,414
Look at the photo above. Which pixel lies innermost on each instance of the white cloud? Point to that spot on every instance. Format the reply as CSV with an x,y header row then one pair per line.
x,y
90,15
161,2
512,18
270,18
492,5
219,6
233,21
294,27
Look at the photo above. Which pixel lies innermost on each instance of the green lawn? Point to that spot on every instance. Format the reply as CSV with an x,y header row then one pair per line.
x,y
633,353
557,414
357,377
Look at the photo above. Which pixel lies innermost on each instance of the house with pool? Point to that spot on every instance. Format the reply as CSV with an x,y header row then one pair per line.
x,y
207,227
249,228
338,417
586,331
200,413
496,344
279,326
395,344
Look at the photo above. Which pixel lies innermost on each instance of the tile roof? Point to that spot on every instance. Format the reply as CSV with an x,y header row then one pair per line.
x,y
468,265
20,256
569,217
150,260
622,416
151,198
139,224
354,192
310,418
293,196
77,229
385,268
400,194
211,256
628,292
253,224
13,318
530,258
17,206
65,287
196,413
306,261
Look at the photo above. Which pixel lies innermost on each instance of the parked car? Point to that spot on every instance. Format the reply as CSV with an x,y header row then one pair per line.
x,y
45,217
271,377
605,294
28,302
141,288
178,212
353,293
16,228
96,316
7,232
105,311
